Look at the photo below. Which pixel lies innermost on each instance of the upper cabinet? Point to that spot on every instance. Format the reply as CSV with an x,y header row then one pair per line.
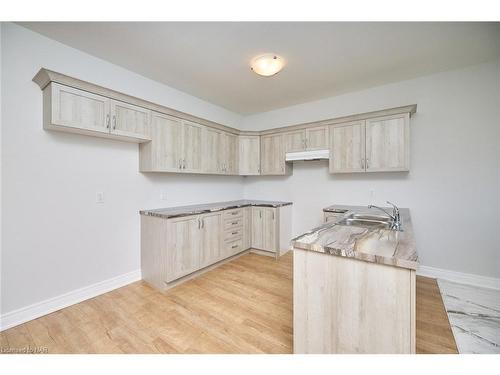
x,y
388,143
347,151
175,146
272,155
172,141
380,144
78,111
249,155
314,138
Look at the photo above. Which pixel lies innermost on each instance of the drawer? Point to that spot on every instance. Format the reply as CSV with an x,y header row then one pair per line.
x,y
233,234
234,213
233,223
233,247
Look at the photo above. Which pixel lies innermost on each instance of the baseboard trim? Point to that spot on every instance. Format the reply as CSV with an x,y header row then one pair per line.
x,y
459,277
25,314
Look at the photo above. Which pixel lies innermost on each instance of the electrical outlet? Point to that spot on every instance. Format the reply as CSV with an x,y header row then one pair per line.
x,y
99,197
163,196
372,196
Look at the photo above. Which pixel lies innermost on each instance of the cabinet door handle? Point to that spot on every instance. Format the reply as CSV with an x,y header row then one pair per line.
x,y
203,223
234,246
114,122
260,214
107,121
273,215
184,164
234,232
367,165
199,225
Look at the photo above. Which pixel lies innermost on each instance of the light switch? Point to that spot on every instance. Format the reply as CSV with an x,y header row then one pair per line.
x,y
99,197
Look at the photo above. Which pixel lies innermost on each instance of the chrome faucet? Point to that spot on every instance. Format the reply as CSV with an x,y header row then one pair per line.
x,y
396,218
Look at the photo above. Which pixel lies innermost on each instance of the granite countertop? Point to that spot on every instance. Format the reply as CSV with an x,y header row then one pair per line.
x,y
196,209
377,245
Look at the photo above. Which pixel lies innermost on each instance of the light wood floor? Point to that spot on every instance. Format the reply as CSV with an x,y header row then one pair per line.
x,y
244,306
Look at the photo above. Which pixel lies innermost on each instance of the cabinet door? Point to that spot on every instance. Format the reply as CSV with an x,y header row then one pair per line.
x,y
295,141
272,160
347,148
130,120
388,143
212,146
183,247
249,155
231,153
165,149
192,150
257,228
247,228
79,109
317,138
269,229
211,238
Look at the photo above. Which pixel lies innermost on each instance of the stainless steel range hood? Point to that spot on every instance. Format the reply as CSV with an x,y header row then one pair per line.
x,y
308,155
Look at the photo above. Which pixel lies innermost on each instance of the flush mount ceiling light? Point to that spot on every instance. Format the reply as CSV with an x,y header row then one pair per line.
x,y
267,65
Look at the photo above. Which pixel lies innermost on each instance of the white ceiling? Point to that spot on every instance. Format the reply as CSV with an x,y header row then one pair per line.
x,y
211,60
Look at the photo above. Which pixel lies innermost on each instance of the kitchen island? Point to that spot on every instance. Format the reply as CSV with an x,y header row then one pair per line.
x,y
354,285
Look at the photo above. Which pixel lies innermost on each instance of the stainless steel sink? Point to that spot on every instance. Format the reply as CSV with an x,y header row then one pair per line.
x,y
367,221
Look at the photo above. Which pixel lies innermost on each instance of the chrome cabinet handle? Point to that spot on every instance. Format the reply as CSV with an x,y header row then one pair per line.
x,y
260,214
107,121
114,122
234,246
183,163
199,223
203,223
367,165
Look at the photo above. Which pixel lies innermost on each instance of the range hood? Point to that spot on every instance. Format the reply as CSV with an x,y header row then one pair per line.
x,y
308,155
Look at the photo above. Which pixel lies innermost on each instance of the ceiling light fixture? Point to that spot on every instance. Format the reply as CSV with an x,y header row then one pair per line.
x,y
267,65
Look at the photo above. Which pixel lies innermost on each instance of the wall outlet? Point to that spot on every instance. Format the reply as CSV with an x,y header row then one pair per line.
x,y
163,196
372,196
99,197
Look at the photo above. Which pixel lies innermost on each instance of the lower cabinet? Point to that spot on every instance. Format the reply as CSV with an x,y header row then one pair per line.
x,y
265,229
177,247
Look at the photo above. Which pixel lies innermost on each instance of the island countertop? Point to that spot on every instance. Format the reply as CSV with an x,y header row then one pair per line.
x,y
196,209
376,245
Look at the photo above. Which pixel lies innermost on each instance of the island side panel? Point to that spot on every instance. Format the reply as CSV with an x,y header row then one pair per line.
x,y
285,229
153,250
343,305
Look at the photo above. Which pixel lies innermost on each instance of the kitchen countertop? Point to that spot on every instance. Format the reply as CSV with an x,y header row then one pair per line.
x,y
196,209
377,245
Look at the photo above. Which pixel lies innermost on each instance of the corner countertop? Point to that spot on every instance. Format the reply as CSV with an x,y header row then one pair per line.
x,y
376,245
196,209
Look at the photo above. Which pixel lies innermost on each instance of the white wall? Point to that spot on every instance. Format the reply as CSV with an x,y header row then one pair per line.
x,y
453,189
55,237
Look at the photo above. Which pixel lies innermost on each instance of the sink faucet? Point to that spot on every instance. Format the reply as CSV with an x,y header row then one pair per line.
x,y
396,218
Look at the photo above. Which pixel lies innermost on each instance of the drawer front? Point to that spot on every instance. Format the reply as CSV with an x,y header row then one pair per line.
x,y
233,223
233,247
233,234
332,216
231,214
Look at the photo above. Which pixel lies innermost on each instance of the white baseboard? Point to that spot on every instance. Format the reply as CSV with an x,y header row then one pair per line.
x,y
48,306
459,277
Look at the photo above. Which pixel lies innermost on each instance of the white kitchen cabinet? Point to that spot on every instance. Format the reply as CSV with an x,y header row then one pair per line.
x,y
229,152
249,155
379,144
175,146
77,111
314,138
192,151
272,155
347,152
211,238
388,143
172,249
130,120
183,250
164,152
266,229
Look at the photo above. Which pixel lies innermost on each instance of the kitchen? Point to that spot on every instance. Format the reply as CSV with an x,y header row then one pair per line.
x,y
329,220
